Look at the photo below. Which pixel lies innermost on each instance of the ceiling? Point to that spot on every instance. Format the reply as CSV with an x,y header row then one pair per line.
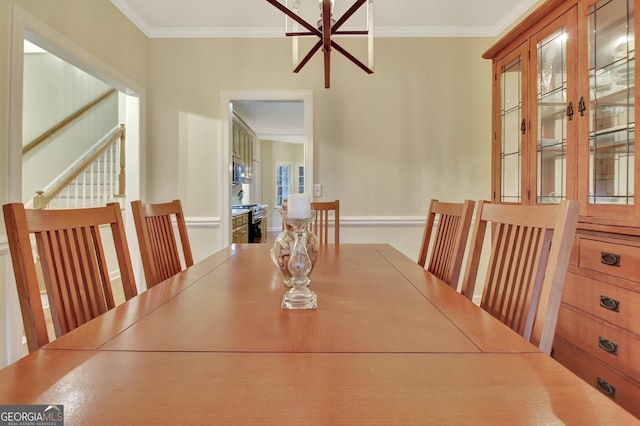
x,y
283,121
257,18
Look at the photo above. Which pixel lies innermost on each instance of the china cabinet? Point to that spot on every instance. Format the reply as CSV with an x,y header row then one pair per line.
x,y
563,121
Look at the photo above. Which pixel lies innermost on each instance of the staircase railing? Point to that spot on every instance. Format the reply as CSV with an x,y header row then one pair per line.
x,y
62,124
95,177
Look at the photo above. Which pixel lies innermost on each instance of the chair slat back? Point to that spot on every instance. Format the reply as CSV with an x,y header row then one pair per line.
x,y
452,222
157,240
320,225
73,262
527,265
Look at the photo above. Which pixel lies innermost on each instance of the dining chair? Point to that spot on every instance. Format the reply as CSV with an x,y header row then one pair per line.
x,y
320,225
73,261
157,240
528,259
451,222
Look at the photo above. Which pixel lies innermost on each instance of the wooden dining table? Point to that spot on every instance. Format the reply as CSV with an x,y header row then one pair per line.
x,y
388,344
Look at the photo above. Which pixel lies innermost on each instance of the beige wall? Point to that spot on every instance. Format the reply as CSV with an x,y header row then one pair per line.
x,y
384,144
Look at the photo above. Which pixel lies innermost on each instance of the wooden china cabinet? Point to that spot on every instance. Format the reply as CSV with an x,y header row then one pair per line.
x,y
564,127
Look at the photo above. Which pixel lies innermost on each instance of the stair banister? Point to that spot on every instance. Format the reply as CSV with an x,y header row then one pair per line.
x,y
53,130
41,200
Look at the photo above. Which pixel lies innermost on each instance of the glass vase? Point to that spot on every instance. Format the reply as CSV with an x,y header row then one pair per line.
x,y
283,247
299,266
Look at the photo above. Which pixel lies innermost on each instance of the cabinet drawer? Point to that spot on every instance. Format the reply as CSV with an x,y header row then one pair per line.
x,y
612,346
613,304
623,391
240,220
613,259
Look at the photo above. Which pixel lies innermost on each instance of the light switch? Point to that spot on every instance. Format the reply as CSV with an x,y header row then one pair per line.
x,y
317,190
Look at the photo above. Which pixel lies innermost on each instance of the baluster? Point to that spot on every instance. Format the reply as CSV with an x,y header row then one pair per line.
x,y
107,175
100,179
110,175
121,176
83,188
92,182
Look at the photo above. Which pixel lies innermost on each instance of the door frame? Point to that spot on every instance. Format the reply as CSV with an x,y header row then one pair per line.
x,y
225,164
25,26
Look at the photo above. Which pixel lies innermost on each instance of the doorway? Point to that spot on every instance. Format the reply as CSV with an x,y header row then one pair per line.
x,y
261,98
26,27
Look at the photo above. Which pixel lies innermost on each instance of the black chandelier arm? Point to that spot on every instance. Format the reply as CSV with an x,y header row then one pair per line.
x,y
295,17
326,27
301,34
306,59
307,33
327,69
355,32
351,57
347,15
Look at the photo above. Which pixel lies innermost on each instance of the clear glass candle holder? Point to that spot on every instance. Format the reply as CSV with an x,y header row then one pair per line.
x,y
299,266
283,247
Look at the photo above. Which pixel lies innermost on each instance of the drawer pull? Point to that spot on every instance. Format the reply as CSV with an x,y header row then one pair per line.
x,y
609,303
608,346
610,259
606,388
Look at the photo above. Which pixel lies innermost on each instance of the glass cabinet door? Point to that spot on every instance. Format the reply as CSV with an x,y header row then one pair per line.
x,y
611,103
512,127
553,61
551,130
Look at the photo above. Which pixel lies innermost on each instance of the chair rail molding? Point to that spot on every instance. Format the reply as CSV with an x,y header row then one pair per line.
x,y
202,222
382,221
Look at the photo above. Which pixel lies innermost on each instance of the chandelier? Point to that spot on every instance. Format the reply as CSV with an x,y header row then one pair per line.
x,y
325,28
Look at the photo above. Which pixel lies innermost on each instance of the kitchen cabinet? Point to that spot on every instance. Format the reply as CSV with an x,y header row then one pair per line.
x,y
240,228
243,142
563,127
265,225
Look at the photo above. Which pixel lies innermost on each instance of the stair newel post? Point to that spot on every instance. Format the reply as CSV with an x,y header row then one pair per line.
x,y
121,177
40,201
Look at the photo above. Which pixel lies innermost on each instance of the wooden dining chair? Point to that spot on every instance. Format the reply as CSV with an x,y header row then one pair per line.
x,y
157,240
451,222
72,257
320,225
527,265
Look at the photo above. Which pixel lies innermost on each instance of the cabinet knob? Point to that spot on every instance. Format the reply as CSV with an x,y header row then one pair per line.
x,y
609,303
570,110
582,107
608,346
606,388
610,259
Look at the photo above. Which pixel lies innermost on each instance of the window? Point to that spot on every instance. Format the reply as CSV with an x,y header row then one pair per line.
x,y
283,182
300,177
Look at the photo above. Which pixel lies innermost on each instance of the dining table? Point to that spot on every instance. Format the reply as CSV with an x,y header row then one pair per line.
x,y
388,343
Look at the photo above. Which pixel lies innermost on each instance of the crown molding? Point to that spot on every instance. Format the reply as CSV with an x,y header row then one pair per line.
x,y
277,32
138,20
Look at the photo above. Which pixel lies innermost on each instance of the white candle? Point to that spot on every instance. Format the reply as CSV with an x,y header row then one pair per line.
x,y
299,206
